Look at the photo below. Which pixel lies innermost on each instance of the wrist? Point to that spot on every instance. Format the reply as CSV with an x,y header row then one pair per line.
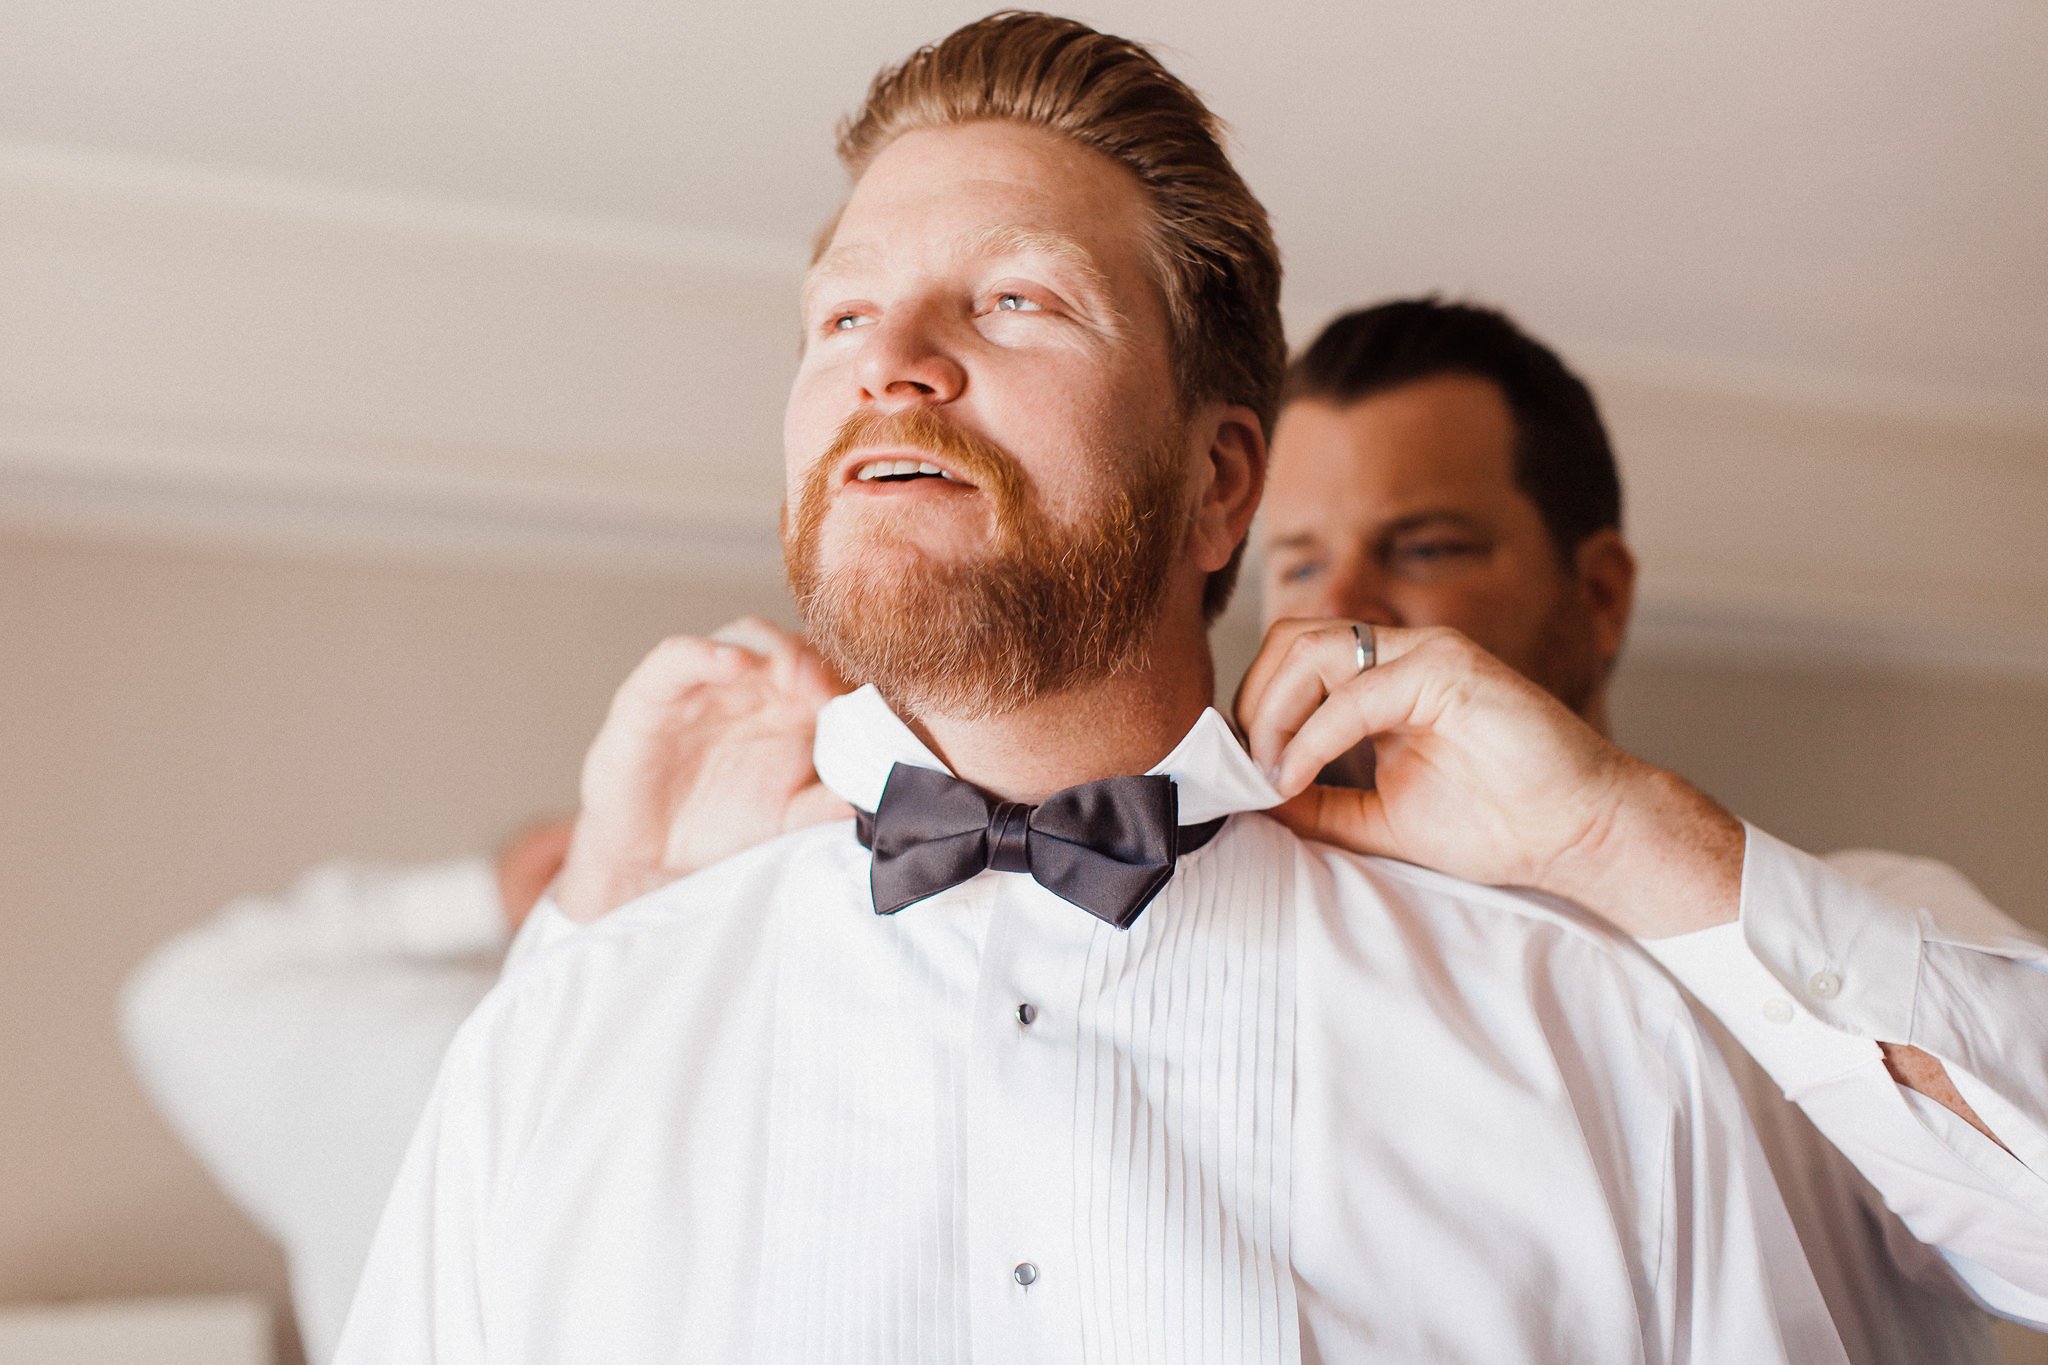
x,y
1666,859
591,887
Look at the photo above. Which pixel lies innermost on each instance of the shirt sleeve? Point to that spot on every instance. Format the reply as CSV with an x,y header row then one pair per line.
x,y
420,1301
1829,958
291,1042
544,928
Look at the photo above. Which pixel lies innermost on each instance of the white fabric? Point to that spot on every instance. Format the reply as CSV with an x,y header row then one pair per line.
x,y
1827,958
293,1041
1311,1107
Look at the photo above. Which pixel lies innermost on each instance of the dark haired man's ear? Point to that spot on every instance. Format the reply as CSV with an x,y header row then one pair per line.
x,y
1605,574
1230,478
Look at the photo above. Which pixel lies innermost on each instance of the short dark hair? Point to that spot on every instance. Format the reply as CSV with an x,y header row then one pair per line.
x,y
1563,461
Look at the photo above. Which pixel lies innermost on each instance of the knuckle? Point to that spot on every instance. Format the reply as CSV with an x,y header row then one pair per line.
x,y
1286,631
676,649
1444,642
754,635
1305,643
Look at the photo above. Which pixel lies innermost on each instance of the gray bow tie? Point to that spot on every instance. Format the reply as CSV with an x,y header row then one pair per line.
x,y
1107,846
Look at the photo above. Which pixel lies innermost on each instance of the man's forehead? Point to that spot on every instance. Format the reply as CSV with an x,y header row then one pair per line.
x,y
1391,456
1452,428
986,188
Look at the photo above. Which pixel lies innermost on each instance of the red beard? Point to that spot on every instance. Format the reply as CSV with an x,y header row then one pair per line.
x,y
1049,606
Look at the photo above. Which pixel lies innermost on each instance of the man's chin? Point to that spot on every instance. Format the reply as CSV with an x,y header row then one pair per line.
x,y
873,551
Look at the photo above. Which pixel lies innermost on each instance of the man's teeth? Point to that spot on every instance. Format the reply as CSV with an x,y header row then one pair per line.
x,y
897,469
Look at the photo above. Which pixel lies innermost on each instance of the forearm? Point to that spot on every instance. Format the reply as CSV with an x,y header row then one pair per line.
x,y
1924,1074
1664,859
1670,862
1923,1058
291,1041
343,912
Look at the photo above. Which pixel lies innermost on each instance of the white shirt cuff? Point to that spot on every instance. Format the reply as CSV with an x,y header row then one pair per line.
x,y
1813,974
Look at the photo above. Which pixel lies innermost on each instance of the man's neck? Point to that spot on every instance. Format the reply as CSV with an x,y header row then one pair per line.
x,y
1109,728
1594,712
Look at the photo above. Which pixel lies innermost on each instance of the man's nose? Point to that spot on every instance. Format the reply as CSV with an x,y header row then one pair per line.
x,y
1356,592
904,365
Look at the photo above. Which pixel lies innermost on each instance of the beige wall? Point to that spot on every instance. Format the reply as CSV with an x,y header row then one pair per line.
x,y
1949,766
179,725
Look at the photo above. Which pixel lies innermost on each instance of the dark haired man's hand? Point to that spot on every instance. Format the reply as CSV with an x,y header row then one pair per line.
x,y
1483,775
706,752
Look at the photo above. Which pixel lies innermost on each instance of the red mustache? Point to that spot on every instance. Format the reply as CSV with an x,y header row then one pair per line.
x,y
973,457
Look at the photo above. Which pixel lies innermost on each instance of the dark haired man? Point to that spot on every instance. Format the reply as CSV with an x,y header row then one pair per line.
x,y
1078,1058
1435,466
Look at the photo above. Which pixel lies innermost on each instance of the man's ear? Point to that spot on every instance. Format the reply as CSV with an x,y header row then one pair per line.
x,y
1606,571
1229,478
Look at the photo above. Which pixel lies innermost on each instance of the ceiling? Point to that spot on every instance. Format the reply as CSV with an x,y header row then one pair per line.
x,y
1820,196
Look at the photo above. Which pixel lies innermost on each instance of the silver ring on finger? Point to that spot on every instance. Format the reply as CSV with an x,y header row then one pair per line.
x,y
1362,641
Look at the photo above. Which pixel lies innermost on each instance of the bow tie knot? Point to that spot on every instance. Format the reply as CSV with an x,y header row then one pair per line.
x,y
1107,846
1009,834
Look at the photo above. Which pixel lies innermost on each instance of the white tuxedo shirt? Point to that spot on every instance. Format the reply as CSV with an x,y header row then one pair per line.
x,y
1310,1107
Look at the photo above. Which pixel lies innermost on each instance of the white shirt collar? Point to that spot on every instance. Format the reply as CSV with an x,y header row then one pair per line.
x,y
860,739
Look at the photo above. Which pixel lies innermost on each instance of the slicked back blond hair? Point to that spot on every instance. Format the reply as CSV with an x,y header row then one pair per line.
x,y
1212,250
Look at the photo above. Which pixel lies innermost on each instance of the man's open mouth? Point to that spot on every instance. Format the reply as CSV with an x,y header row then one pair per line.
x,y
901,471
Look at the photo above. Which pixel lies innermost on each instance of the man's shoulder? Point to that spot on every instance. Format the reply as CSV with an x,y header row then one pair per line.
x,y
1479,935
1450,901
721,918
1906,875
1954,910
817,860
1389,954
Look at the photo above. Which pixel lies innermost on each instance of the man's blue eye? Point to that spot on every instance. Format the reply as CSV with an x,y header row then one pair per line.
x,y
845,322
1296,573
1015,303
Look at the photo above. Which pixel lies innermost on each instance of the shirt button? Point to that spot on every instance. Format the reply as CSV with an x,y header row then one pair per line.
x,y
1825,985
1778,1011
1025,1274
1025,1014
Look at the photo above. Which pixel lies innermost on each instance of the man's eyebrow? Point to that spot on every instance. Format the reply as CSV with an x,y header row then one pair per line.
x,y
1417,520
1014,239
843,257
1297,540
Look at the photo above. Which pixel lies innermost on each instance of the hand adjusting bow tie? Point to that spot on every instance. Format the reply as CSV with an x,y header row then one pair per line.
x,y
1108,846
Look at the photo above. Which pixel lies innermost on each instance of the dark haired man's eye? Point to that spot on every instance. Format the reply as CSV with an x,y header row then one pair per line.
x,y
1435,555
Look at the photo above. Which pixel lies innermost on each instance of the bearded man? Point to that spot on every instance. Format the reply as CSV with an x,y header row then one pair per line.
x,y
1058,1051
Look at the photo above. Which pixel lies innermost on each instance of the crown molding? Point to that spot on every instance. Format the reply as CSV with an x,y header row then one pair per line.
x,y
523,529
184,187
1805,632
